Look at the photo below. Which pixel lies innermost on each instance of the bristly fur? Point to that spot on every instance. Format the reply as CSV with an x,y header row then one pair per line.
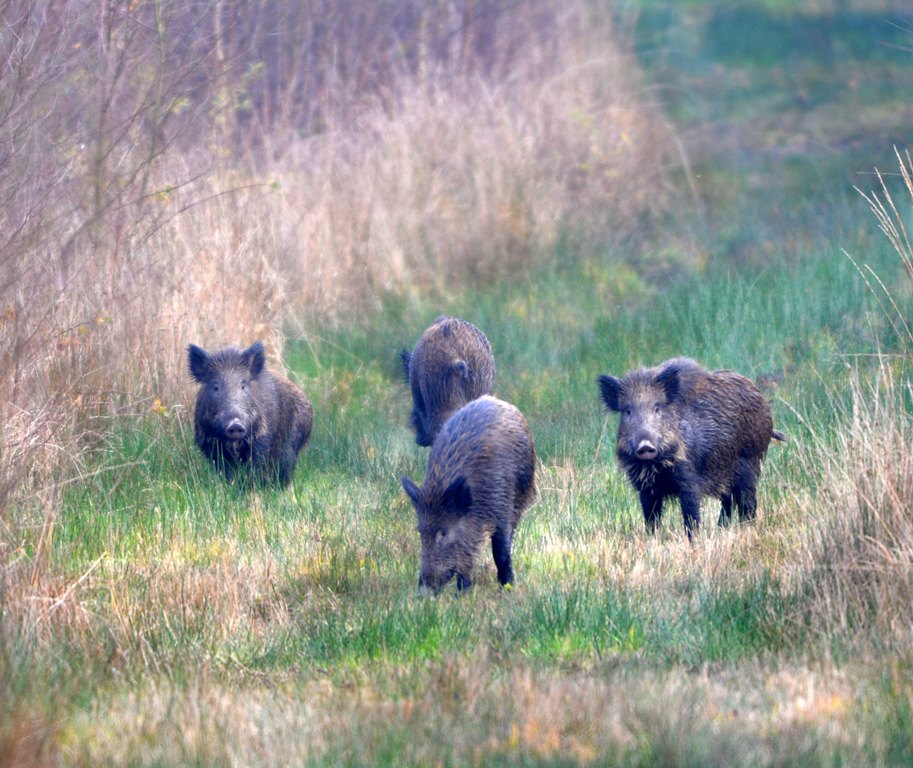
x,y
644,474
451,365
688,432
480,480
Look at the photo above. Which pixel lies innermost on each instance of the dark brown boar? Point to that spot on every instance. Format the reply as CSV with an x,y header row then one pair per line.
x,y
247,418
480,480
451,365
688,432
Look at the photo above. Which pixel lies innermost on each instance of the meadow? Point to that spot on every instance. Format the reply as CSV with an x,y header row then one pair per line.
x,y
152,615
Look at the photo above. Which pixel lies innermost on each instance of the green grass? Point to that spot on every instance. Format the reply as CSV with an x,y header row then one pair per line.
x,y
176,579
162,617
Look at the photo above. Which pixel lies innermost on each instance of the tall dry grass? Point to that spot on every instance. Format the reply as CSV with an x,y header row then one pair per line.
x,y
861,543
113,241
447,182
179,172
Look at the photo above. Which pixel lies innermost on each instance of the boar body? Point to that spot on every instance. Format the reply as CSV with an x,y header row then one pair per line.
x,y
450,365
480,480
246,418
688,432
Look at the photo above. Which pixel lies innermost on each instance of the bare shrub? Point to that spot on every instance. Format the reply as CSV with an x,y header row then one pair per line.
x,y
99,288
176,171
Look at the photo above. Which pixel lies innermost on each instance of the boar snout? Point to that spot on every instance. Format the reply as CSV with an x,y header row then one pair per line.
x,y
646,451
432,582
235,430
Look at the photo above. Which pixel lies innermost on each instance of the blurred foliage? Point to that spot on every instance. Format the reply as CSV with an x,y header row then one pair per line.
x,y
783,107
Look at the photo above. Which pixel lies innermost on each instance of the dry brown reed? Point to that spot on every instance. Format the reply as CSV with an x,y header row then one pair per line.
x,y
449,185
197,184
892,223
861,540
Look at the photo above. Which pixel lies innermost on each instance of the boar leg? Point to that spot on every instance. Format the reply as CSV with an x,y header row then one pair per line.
x,y
689,496
287,464
691,511
747,502
652,505
745,491
260,460
500,549
725,510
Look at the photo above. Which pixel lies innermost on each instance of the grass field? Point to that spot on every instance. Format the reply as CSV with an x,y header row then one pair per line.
x,y
181,621
154,616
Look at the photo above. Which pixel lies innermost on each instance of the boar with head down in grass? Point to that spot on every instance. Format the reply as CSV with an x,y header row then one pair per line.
x,y
688,432
248,419
451,365
480,480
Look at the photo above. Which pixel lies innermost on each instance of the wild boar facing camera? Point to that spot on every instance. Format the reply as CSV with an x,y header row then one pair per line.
x,y
480,480
246,418
451,365
688,432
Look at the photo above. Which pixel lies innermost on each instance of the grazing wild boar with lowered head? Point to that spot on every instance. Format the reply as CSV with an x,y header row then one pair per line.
x,y
480,480
451,365
688,432
247,418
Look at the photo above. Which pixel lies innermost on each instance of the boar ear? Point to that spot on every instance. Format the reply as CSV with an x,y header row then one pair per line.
x,y
406,357
669,381
610,387
198,358
412,491
458,497
254,357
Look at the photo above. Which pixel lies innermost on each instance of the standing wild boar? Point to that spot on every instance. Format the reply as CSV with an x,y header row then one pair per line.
x,y
247,416
451,365
480,480
688,432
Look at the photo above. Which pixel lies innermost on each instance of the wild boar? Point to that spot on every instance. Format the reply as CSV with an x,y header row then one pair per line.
x,y
688,432
480,480
247,418
451,365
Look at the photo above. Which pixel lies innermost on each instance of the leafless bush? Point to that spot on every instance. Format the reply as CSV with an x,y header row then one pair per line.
x,y
96,167
177,171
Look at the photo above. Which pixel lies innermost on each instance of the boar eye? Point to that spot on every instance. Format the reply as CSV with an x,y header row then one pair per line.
x,y
657,407
627,410
440,535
